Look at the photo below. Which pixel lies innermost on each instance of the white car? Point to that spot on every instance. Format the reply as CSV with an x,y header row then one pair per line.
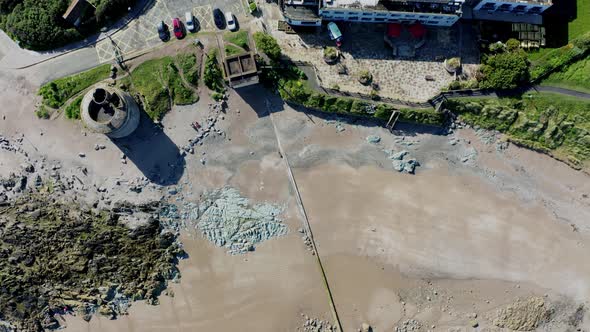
x,y
230,21
190,21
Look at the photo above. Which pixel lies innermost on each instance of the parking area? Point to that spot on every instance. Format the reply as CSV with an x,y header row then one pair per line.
x,y
142,34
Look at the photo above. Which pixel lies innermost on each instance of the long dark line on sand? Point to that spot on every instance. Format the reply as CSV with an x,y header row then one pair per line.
x,y
305,220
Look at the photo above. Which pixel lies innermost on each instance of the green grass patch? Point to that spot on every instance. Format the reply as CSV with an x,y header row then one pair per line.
x,y
181,95
542,121
232,50
159,82
57,92
73,109
575,77
239,38
581,24
148,82
186,61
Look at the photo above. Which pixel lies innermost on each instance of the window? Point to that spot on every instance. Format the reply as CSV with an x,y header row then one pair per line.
x,y
379,19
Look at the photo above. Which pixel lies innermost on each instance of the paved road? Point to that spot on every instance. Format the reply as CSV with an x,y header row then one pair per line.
x,y
563,91
141,34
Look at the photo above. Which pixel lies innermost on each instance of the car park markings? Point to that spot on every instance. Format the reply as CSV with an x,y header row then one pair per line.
x,y
204,15
139,34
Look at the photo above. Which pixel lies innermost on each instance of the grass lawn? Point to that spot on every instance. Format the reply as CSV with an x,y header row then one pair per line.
x,y
159,82
239,38
232,50
56,93
582,22
544,121
575,77
186,61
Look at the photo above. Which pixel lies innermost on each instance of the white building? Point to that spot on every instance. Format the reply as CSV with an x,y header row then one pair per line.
x,y
427,12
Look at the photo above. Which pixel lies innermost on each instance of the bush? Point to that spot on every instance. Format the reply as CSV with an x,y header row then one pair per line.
x,y
365,77
252,7
42,112
497,47
268,45
73,109
505,70
212,75
512,44
330,53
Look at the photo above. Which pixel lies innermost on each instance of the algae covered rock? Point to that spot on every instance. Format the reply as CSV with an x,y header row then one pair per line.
x,y
59,257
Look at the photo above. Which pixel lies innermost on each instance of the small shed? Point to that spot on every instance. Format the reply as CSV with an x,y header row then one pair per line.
x,y
75,12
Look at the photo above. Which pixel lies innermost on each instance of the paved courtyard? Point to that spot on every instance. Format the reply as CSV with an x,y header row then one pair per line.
x,y
364,49
142,34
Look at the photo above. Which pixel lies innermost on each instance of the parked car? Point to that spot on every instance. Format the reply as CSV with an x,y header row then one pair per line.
x,y
163,32
177,28
218,18
230,21
190,23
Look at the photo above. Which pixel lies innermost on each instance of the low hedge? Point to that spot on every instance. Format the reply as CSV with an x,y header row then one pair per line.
x,y
297,92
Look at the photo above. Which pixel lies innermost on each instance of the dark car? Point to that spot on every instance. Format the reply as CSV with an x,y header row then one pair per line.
x,y
218,18
177,28
163,31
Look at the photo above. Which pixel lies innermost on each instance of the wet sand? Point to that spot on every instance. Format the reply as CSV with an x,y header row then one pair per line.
x,y
432,226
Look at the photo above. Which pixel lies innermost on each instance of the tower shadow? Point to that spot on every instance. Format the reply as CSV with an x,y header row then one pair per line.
x,y
153,152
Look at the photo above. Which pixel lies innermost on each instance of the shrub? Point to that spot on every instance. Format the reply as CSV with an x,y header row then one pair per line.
x,y
330,53
268,45
212,75
73,109
42,112
497,47
452,65
252,6
365,77
512,44
505,70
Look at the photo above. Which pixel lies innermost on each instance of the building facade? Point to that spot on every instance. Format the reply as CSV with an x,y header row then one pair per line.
x,y
430,12
427,12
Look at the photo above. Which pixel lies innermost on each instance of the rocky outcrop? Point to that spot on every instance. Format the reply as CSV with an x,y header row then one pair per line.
x,y
523,315
57,257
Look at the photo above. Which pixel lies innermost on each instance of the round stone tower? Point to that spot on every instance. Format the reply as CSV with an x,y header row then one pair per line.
x,y
109,111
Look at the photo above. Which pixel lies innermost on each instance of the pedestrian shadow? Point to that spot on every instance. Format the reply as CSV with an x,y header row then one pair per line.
x,y
152,152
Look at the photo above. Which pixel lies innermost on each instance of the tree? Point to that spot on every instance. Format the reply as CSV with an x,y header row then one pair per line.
x,y
267,44
505,70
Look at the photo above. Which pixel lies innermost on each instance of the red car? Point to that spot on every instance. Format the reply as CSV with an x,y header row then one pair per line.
x,y
177,27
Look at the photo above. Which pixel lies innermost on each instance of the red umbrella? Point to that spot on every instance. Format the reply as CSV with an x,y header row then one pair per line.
x,y
417,30
394,30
